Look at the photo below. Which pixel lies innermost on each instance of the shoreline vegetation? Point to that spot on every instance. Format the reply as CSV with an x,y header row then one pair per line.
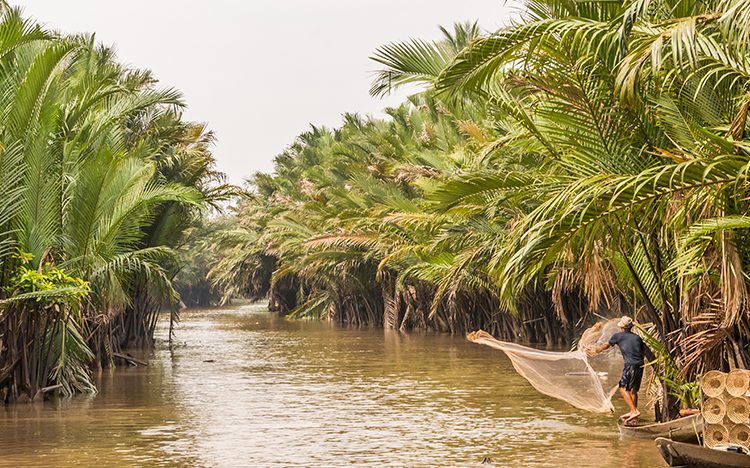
x,y
101,184
586,162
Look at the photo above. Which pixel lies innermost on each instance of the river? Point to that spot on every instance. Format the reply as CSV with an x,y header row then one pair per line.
x,y
243,388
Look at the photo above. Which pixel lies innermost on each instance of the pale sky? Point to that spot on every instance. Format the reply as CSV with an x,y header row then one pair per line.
x,y
261,72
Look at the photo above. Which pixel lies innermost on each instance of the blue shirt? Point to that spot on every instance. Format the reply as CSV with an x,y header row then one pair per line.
x,y
631,347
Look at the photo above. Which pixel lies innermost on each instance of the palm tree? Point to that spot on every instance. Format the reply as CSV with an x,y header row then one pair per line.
x,y
419,62
640,111
86,189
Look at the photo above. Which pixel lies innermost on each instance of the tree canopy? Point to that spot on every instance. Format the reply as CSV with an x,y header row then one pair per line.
x,y
589,160
100,177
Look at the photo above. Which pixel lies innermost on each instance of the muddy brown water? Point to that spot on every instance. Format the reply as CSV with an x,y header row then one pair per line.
x,y
307,394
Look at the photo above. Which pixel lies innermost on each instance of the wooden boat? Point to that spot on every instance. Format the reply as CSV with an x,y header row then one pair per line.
x,y
695,456
684,429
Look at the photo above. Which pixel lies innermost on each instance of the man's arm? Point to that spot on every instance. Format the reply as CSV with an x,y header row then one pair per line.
x,y
601,348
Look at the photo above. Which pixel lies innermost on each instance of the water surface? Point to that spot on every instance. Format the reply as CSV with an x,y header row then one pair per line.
x,y
243,388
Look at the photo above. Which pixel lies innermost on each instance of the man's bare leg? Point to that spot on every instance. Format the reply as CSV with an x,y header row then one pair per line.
x,y
634,413
628,397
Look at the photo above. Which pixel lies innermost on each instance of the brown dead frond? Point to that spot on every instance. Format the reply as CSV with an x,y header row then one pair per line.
x,y
597,280
473,130
565,280
733,289
699,347
409,173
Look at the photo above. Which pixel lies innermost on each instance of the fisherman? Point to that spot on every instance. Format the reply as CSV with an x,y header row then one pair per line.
x,y
632,349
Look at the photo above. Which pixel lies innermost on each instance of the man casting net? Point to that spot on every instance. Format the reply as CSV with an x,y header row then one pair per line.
x,y
586,382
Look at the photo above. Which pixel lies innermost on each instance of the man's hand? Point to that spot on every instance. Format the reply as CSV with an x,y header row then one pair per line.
x,y
593,350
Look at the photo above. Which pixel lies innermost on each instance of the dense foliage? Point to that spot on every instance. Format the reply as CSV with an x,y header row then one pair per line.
x,y
590,159
99,180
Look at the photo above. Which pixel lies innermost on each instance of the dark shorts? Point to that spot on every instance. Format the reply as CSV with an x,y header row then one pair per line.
x,y
631,378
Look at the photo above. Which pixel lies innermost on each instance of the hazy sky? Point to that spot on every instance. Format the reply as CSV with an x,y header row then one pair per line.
x,y
260,72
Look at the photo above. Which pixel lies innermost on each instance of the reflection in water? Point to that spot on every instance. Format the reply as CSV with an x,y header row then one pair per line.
x,y
246,389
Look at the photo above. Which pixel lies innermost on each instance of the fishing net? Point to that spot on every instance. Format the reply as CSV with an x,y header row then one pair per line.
x,y
586,382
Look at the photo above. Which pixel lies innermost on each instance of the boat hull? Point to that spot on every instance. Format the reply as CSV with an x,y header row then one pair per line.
x,y
695,456
685,429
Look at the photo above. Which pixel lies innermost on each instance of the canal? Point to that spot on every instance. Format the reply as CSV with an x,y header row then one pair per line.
x,y
243,388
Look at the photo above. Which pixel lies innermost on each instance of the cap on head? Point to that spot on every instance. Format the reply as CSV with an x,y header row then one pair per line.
x,y
625,322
